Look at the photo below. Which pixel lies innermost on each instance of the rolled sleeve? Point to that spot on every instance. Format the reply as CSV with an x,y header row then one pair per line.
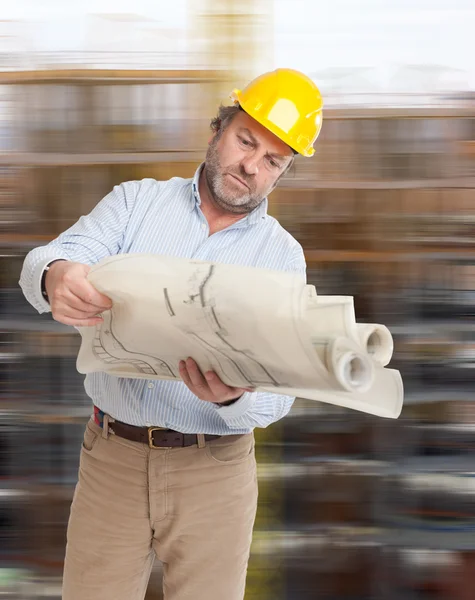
x,y
238,408
31,276
255,409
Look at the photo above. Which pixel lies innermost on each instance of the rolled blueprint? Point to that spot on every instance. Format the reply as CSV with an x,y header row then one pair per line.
x,y
254,327
351,366
378,342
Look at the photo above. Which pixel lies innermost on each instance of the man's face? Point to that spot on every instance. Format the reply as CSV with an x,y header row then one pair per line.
x,y
244,163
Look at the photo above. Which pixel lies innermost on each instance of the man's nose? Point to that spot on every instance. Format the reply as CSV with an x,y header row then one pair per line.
x,y
250,165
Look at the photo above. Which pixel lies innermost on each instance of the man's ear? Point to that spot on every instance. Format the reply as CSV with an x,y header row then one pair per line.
x,y
216,124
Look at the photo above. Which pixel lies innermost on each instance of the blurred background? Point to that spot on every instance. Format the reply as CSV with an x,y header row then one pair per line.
x,y
98,92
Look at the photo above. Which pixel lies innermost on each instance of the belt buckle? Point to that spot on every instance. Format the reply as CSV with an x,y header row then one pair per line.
x,y
150,431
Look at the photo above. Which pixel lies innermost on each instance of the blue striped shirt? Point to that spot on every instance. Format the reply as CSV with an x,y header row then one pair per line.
x,y
164,217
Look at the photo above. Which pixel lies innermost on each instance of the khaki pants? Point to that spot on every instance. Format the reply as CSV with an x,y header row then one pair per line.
x,y
193,508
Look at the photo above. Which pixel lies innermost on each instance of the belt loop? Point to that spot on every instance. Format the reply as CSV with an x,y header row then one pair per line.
x,y
201,440
105,426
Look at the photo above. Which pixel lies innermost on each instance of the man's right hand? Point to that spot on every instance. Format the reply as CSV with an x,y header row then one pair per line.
x,y
73,300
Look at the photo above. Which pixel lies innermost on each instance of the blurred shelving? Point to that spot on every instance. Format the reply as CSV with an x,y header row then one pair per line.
x,y
352,506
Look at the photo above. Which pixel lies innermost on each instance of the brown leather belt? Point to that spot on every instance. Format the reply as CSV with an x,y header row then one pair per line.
x,y
156,437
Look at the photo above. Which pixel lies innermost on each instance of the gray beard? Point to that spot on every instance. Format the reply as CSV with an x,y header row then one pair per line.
x,y
236,204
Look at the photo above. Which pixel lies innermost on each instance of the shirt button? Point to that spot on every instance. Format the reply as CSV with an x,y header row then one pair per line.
x,y
203,226
148,424
151,386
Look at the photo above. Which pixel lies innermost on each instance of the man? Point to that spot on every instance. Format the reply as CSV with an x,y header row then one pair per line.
x,y
167,468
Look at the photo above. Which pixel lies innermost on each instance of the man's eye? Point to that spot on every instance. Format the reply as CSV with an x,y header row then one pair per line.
x,y
273,164
245,142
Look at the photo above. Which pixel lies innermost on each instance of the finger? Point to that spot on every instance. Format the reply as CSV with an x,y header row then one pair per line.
x,y
71,301
197,379
78,322
217,387
88,293
71,313
184,374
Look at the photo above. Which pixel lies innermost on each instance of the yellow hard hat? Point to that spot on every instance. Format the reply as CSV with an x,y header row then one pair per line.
x,y
287,103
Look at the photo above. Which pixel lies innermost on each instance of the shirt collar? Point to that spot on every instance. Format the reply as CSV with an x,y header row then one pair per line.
x,y
259,213
195,190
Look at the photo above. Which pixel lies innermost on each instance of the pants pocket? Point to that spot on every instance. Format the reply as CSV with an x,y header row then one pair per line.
x,y
90,437
231,449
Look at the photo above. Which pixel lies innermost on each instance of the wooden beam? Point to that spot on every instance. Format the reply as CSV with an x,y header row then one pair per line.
x,y
111,76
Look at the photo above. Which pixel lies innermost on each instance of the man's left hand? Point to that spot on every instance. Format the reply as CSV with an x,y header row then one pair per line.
x,y
208,387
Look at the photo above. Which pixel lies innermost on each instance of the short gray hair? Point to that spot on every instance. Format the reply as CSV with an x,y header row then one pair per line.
x,y
224,117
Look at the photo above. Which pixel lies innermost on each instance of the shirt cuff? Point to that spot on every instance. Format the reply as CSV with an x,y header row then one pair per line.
x,y
239,408
37,277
